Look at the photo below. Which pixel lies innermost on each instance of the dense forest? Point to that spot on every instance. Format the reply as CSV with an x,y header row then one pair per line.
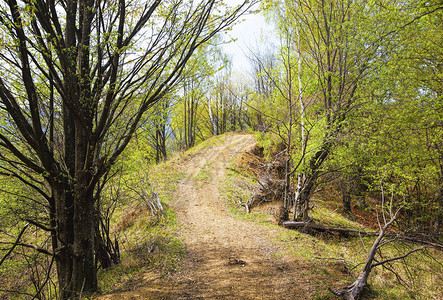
x,y
345,101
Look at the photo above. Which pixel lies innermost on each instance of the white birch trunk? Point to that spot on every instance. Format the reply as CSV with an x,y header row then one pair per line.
x,y
211,117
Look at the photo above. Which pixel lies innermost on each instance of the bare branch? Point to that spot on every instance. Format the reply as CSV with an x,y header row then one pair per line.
x,y
397,257
16,243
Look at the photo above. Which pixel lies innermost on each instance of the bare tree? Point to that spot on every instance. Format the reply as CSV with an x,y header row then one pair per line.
x,y
354,290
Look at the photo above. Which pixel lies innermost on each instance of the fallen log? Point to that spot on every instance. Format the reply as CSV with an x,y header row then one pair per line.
x,y
354,290
348,231
324,228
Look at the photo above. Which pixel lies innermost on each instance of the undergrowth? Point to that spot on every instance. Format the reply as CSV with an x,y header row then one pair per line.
x,y
336,261
149,245
235,196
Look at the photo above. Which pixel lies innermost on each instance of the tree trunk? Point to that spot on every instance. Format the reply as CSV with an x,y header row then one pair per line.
x,y
296,208
157,145
74,245
160,143
163,142
211,118
64,237
305,196
346,195
310,181
287,185
84,276
75,232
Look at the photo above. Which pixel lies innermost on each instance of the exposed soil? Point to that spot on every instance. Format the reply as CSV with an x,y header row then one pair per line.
x,y
227,258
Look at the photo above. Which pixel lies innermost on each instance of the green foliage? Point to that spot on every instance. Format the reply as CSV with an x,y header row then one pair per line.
x,y
393,138
269,141
191,113
371,83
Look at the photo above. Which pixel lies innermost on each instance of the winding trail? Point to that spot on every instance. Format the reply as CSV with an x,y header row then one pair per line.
x,y
227,258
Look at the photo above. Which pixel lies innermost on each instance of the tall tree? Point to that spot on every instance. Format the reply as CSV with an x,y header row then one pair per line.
x,y
71,72
401,123
334,55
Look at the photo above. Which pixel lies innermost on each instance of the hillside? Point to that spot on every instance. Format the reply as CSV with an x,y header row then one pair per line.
x,y
229,254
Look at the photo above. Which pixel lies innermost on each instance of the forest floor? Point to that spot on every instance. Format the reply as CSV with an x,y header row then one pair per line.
x,y
226,257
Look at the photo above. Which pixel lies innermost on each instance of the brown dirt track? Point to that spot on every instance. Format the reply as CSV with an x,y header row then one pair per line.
x,y
227,257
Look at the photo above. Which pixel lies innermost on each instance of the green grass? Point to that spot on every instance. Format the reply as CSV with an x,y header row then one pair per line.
x,y
205,174
234,196
333,217
203,146
146,248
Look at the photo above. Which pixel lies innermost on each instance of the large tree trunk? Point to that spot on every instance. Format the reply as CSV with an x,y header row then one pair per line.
x,y
75,228
305,196
75,245
84,277
64,237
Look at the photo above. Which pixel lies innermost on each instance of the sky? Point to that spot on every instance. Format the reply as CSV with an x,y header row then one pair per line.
x,y
248,35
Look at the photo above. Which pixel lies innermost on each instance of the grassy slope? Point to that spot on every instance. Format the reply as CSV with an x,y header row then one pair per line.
x,y
149,246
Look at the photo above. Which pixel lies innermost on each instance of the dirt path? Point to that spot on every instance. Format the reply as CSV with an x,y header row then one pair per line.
x,y
227,258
